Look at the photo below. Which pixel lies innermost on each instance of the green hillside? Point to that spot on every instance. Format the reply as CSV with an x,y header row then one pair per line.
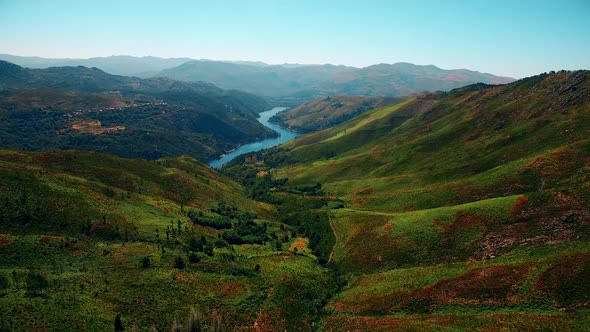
x,y
327,112
87,236
466,210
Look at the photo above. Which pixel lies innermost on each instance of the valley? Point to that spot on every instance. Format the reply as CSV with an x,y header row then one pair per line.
x,y
264,118
455,210
451,211
295,166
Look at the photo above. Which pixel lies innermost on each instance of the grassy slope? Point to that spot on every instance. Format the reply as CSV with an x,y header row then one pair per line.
x,y
472,178
327,112
47,198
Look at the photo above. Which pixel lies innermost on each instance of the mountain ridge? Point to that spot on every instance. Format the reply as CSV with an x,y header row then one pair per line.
x,y
451,208
157,117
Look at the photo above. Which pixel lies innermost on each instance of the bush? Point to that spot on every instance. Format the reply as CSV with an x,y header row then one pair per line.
x,y
194,258
195,245
179,262
145,262
36,283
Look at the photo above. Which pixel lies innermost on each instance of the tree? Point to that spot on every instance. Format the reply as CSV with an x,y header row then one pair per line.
x,y
3,284
36,283
209,249
194,258
195,245
145,262
216,325
176,326
194,321
179,262
118,324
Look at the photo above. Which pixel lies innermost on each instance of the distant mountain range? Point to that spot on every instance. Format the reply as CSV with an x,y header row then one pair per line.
x,y
88,109
118,64
292,84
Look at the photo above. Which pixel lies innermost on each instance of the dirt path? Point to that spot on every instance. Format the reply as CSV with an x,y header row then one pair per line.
x,y
335,240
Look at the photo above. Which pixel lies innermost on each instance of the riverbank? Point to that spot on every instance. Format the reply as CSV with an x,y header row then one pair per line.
x,y
285,136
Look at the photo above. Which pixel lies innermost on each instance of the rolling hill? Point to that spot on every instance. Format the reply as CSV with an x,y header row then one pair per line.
x,y
86,237
327,112
41,109
465,210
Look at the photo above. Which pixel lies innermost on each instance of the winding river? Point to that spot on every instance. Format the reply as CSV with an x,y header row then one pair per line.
x,y
285,136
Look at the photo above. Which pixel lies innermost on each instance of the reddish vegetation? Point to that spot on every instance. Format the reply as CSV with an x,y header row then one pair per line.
x,y
388,227
522,203
453,235
361,195
265,323
299,244
567,282
180,278
488,285
491,322
228,289
262,173
551,220
494,284
5,242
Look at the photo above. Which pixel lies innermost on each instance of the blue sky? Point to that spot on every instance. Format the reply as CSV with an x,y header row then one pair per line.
x,y
512,38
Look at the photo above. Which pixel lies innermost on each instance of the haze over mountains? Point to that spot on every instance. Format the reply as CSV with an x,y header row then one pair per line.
x,y
291,84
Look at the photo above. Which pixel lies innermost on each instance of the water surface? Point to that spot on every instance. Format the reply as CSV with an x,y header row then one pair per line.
x,y
285,136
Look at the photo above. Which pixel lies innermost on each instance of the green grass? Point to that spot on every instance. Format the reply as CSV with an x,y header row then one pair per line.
x,y
478,173
134,209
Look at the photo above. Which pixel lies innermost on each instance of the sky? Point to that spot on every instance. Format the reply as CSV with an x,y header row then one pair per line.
x,y
509,38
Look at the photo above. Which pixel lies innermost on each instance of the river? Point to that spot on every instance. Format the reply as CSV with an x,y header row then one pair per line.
x,y
285,136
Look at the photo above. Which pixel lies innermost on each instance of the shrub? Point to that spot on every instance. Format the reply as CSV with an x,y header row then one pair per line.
x,y
145,262
194,258
179,262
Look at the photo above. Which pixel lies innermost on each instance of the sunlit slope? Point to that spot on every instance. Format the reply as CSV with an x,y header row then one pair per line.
x,y
464,211
86,236
459,147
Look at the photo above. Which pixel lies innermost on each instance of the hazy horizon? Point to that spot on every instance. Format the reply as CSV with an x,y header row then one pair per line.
x,y
503,38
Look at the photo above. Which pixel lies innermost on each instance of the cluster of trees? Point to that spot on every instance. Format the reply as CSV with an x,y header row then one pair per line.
x,y
217,222
194,323
34,283
247,232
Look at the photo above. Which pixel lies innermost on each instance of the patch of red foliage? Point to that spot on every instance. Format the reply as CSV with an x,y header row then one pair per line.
x,y
556,166
388,227
453,239
361,195
488,285
567,281
180,278
265,323
494,284
5,242
519,206
228,289
485,322
370,248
